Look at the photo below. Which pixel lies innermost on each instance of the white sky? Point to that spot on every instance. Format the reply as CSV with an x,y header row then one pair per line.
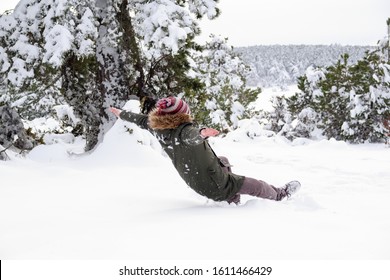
x,y
264,22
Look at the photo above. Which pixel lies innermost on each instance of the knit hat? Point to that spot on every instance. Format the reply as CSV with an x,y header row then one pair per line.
x,y
172,105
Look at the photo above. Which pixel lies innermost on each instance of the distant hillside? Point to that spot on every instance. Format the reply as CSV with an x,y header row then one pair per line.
x,y
280,65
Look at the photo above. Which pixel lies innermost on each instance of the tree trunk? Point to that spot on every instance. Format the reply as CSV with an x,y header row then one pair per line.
x,y
388,40
82,93
12,132
131,46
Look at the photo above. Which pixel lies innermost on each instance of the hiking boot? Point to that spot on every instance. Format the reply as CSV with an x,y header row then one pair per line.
x,y
290,188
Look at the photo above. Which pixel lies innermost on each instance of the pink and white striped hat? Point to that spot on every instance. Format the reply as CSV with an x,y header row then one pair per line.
x,y
172,105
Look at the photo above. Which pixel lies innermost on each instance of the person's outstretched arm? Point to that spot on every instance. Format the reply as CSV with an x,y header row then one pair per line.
x,y
138,119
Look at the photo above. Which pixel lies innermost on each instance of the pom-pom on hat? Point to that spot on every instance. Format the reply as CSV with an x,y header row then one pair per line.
x,y
172,105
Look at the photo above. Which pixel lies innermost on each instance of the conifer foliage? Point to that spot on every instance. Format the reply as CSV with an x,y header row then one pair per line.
x,y
346,102
88,55
225,98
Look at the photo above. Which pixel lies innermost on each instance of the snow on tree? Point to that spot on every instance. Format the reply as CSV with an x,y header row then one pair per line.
x,y
305,124
369,101
13,133
92,54
225,98
281,65
279,117
347,102
44,38
331,100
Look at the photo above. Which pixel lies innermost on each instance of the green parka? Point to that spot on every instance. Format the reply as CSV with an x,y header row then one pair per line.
x,y
190,153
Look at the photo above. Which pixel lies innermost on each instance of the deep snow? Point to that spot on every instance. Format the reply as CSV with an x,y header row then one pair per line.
x,y
125,201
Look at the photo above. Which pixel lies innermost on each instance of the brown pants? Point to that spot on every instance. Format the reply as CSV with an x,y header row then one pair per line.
x,y
253,187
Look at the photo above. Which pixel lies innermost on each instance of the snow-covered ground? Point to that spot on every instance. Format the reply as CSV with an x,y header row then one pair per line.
x,y
126,201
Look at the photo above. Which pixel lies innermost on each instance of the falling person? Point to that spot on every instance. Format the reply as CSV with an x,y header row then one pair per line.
x,y
186,145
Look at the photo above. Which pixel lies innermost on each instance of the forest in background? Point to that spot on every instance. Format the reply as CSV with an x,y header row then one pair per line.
x,y
64,65
281,65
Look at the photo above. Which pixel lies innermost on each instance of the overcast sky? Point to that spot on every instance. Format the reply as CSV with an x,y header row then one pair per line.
x,y
264,22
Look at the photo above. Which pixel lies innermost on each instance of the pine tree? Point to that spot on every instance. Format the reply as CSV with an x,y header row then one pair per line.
x,y
11,126
279,116
348,102
281,65
303,106
369,101
225,97
92,54
332,102
309,90
305,125
388,40
49,43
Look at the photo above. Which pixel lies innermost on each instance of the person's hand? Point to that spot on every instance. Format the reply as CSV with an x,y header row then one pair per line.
x,y
207,132
115,111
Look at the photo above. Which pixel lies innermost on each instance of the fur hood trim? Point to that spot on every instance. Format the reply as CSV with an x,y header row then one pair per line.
x,y
160,122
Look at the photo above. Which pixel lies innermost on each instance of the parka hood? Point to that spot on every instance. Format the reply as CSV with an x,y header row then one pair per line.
x,y
161,122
